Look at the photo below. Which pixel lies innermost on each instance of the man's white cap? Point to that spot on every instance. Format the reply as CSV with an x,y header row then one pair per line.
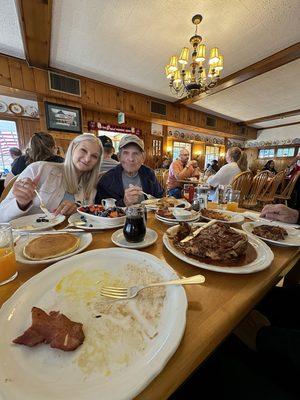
x,y
127,139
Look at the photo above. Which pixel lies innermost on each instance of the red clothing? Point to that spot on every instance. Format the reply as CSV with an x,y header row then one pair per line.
x,y
177,171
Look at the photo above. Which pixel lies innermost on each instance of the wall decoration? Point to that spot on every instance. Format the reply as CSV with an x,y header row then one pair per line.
x,y
268,143
201,137
16,108
60,117
3,107
93,126
236,143
31,111
156,130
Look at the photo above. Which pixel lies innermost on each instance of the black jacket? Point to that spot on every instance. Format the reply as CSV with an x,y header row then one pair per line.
x,y
20,163
111,184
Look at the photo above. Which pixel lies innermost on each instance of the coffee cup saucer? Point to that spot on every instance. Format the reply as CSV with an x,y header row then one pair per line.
x,y
118,239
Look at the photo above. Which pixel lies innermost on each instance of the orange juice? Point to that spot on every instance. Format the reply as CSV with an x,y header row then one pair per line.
x,y
8,267
232,206
213,204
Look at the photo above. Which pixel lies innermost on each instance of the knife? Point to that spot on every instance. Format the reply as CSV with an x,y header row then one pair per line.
x,y
197,231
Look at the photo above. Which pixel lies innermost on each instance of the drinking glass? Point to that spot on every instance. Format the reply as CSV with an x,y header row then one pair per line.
x,y
135,225
233,200
188,192
8,266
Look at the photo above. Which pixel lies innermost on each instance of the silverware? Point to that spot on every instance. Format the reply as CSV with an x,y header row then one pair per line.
x,y
148,195
43,206
197,231
124,293
41,233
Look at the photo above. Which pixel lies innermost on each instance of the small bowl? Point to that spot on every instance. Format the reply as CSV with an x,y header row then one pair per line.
x,y
181,214
106,221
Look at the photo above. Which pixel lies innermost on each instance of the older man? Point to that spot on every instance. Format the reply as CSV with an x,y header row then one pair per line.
x,y
180,170
127,180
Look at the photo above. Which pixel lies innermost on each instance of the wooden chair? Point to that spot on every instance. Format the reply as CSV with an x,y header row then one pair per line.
x,y
165,178
258,184
159,173
7,188
286,194
242,182
267,195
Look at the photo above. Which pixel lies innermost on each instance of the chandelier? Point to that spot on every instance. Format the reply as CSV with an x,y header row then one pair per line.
x,y
192,80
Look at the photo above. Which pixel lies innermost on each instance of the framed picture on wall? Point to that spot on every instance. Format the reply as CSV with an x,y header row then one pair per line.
x,y
64,118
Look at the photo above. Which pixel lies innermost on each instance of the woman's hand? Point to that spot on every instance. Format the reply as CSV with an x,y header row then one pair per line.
x,y
66,207
23,190
131,195
280,212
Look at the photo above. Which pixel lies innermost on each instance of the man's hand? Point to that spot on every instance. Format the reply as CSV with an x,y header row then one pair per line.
x,y
131,195
280,212
66,207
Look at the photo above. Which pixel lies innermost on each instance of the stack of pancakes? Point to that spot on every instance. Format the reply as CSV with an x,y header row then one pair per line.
x,y
51,246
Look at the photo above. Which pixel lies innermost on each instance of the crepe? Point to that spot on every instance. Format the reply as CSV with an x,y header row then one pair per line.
x,y
50,246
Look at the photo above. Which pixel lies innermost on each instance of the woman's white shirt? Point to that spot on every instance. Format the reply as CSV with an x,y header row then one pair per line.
x,y
50,187
225,175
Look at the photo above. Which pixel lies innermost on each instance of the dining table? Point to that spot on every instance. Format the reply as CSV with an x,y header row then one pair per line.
x,y
215,308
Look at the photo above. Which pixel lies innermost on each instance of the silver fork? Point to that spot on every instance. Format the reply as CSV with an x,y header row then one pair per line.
x,y
148,195
43,206
124,293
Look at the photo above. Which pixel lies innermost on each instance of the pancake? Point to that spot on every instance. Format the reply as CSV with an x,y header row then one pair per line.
x,y
51,246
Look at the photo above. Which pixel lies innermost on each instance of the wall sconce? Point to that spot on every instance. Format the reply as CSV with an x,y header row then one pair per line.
x,y
199,153
169,149
222,155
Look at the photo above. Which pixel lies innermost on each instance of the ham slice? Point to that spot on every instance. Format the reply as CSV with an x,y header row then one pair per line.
x,y
55,329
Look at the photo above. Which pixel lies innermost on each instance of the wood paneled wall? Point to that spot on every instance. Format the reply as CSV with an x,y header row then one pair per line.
x,y
255,163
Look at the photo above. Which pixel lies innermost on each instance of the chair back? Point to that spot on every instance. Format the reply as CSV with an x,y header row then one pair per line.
x,y
287,191
7,188
267,195
165,178
159,174
242,182
258,184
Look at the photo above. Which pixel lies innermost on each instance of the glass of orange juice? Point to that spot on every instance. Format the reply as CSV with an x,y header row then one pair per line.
x,y
233,200
8,266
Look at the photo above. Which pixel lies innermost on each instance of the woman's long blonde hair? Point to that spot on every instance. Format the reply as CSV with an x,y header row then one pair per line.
x,y
239,156
88,180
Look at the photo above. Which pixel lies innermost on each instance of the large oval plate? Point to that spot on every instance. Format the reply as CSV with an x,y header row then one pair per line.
x,y
28,223
264,257
45,373
234,218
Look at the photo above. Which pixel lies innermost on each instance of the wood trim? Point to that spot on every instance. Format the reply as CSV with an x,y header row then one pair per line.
x,y
270,117
278,126
276,60
35,18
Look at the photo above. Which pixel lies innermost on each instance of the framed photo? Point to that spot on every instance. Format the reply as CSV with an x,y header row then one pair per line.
x,y
60,117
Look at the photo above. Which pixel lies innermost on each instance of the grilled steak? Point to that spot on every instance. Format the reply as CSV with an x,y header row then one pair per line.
x,y
216,242
270,232
56,329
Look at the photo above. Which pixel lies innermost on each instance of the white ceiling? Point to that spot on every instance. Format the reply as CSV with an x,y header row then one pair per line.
x,y
128,42
10,35
281,121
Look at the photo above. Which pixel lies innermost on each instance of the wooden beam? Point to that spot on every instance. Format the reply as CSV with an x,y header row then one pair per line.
x,y
35,17
278,126
276,60
270,117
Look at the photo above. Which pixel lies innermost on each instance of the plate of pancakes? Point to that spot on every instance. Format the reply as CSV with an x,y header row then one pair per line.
x,y
51,247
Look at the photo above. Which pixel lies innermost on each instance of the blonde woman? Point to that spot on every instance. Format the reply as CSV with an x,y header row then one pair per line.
x,y
236,163
61,186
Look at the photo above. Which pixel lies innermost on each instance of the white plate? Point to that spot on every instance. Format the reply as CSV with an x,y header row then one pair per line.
x,y
150,206
43,373
172,221
104,221
293,238
30,220
73,219
264,255
85,240
254,216
235,218
119,239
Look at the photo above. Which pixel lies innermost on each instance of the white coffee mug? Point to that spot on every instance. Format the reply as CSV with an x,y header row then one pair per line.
x,y
108,203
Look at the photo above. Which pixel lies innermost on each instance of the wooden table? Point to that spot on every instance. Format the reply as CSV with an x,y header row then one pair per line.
x,y
214,309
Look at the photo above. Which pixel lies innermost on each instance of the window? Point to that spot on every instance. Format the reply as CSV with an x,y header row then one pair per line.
x,y
8,139
177,146
211,153
156,147
286,152
266,153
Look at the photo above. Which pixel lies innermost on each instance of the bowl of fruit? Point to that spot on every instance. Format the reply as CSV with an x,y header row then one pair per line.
x,y
111,216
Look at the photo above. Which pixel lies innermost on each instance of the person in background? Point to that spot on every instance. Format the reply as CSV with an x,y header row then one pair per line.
x,y
293,168
114,155
212,169
270,166
179,170
166,162
237,162
15,153
127,180
60,152
60,185
108,149
41,148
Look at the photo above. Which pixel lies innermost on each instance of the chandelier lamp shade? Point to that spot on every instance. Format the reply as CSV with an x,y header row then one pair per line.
x,y
189,75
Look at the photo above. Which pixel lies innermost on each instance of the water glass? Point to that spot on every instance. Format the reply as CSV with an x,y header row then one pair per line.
x,y
8,266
